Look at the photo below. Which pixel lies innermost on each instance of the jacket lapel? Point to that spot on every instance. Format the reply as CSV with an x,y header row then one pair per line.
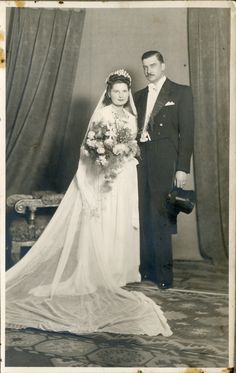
x,y
161,100
142,105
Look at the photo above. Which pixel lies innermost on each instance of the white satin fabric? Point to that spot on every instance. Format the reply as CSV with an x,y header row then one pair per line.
x,y
71,278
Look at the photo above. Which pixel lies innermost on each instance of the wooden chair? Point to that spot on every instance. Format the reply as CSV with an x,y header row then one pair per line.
x,y
30,214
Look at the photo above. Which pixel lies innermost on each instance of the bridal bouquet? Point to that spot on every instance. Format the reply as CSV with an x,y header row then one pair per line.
x,y
110,145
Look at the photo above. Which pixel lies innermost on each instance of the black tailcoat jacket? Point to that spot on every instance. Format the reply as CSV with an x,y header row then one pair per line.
x,y
169,150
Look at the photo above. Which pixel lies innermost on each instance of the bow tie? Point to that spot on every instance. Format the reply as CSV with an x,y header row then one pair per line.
x,y
152,87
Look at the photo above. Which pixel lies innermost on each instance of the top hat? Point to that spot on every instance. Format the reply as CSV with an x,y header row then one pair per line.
x,y
181,200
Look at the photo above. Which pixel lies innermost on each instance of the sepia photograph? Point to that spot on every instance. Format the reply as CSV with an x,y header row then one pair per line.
x,y
118,186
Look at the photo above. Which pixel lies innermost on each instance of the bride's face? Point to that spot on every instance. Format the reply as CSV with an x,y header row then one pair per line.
x,y
119,94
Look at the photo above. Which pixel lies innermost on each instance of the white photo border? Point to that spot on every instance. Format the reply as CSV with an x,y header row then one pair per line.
x,y
232,174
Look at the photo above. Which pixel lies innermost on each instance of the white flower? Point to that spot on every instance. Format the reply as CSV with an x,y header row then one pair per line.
x,y
91,134
91,143
120,148
108,142
111,132
100,150
102,160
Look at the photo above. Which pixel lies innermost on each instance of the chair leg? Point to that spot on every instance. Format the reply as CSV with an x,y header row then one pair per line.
x,y
15,251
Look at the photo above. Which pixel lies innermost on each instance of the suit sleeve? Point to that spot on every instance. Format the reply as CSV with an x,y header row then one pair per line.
x,y
186,130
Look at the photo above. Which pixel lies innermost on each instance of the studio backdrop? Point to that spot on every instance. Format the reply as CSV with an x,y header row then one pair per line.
x,y
57,63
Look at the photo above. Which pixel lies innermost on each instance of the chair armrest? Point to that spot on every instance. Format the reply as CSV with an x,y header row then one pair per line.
x,y
21,203
14,198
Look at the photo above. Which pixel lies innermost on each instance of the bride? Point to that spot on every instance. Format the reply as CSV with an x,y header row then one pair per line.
x,y
72,278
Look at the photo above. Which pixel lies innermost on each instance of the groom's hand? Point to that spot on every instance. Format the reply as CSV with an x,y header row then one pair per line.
x,y
180,179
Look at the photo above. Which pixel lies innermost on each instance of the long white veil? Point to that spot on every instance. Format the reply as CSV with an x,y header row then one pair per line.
x,y
64,282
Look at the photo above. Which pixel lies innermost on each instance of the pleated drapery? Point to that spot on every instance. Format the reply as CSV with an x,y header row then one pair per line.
x,y
209,50
42,56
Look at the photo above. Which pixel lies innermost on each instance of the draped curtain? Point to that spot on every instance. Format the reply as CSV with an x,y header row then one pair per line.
x,y
42,56
209,49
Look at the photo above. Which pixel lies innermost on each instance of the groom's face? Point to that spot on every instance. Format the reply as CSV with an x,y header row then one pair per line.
x,y
153,69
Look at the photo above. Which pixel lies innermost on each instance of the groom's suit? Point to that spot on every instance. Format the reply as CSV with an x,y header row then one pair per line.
x,y
168,150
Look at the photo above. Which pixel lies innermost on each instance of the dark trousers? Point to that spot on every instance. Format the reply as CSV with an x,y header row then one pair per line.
x,y
155,233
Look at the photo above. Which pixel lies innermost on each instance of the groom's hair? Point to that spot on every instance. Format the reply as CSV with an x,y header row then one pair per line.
x,y
153,53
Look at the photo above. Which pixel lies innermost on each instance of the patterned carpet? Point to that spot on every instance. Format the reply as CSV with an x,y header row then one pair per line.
x,y
198,321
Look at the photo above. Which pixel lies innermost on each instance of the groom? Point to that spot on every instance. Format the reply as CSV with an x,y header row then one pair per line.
x,y
165,121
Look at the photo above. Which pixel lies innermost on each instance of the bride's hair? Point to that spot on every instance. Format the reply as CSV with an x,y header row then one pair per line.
x,y
119,76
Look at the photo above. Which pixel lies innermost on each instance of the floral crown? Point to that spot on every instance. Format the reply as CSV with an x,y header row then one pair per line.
x,y
120,72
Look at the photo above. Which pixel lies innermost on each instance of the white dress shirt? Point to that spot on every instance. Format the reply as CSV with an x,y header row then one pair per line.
x,y
153,92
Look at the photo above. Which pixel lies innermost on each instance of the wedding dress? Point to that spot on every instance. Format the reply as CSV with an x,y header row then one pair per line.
x,y
71,279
